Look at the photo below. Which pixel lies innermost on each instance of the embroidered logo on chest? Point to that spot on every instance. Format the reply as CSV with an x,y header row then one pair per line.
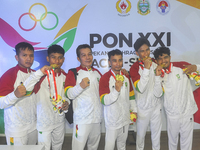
x,y
178,76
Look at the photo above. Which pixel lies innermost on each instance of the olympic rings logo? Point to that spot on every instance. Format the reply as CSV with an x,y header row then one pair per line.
x,y
43,16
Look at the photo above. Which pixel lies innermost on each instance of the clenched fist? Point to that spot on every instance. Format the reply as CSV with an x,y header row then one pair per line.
x,y
118,85
158,70
20,91
85,82
147,63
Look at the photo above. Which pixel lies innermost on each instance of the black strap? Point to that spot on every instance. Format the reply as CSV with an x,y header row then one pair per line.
x,y
69,114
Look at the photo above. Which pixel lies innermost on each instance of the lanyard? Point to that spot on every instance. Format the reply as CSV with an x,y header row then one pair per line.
x,y
52,84
118,77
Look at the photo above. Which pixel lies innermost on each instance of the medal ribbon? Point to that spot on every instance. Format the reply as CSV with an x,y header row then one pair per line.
x,y
114,74
166,71
141,63
52,84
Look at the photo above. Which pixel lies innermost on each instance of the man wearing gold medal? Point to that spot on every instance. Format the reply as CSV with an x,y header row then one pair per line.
x,y
145,74
50,118
117,96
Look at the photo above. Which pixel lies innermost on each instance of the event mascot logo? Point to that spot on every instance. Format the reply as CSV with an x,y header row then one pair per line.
x,y
66,33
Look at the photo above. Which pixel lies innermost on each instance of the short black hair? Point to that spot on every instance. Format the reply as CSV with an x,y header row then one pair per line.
x,y
23,46
160,51
139,42
80,47
55,49
114,52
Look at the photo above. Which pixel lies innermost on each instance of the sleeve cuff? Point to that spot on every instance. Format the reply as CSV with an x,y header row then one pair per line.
x,y
79,88
39,73
115,93
12,96
146,71
157,79
198,68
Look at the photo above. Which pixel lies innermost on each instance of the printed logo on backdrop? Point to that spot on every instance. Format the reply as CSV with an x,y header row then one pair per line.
x,y
120,40
143,7
41,18
67,32
123,7
163,6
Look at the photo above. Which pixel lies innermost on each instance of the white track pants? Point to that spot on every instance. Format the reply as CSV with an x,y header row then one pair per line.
x,y
120,135
86,133
53,138
29,139
145,117
182,125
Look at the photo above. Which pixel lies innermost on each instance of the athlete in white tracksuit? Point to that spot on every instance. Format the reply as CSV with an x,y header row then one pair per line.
x,y
50,124
148,91
18,103
84,91
179,101
118,99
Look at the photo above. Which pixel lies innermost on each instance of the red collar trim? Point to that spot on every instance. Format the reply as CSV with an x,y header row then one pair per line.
x,y
86,68
25,70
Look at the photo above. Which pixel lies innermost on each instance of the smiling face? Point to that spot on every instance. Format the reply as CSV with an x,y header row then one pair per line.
x,y
116,63
25,58
85,58
164,60
143,51
56,58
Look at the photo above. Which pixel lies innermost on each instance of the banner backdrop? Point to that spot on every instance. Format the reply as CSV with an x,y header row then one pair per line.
x,y
104,25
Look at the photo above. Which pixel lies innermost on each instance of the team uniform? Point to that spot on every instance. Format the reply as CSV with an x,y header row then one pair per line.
x,y
19,113
50,125
117,106
148,91
180,106
87,108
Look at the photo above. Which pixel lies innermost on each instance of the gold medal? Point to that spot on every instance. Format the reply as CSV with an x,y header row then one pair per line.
x,y
162,65
145,58
54,66
119,77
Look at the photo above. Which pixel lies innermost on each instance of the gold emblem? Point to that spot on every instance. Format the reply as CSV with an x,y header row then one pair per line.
x,y
54,66
119,77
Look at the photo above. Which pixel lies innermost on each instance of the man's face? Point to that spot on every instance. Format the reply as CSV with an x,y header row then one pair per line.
x,y
116,63
56,58
163,60
86,58
25,58
143,51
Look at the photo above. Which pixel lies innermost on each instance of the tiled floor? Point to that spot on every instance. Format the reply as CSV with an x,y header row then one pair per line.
x,y
131,142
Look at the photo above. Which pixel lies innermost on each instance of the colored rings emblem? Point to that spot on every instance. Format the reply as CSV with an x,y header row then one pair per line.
x,y
52,27
24,28
33,17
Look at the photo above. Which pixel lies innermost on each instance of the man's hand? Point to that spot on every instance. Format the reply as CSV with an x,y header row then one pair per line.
x,y
118,85
65,106
158,70
147,63
44,68
20,91
85,82
190,68
125,72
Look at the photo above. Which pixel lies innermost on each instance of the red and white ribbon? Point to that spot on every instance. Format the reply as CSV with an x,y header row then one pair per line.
x,y
52,84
